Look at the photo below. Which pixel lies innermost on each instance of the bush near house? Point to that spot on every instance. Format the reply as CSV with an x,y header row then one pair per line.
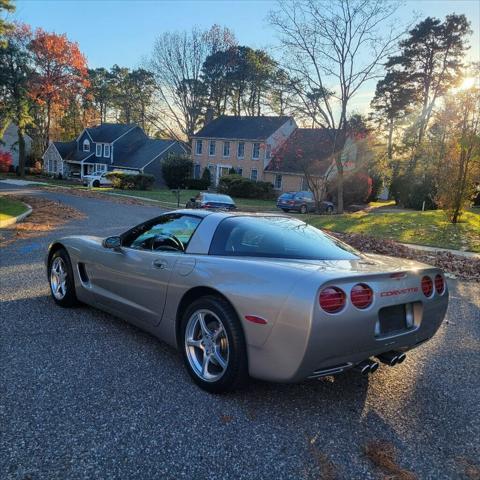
x,y
5,162
238,186
127,181
357,188
410,190
197,184
207,177
176,170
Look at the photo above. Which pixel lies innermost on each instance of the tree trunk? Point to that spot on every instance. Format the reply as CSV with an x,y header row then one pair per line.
x,y
47,139
338,162
21,152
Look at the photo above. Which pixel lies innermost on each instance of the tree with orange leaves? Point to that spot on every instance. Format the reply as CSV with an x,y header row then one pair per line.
x,y
60,73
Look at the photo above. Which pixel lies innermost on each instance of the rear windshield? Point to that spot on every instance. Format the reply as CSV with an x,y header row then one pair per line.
x,y
286,196
211,197
277,237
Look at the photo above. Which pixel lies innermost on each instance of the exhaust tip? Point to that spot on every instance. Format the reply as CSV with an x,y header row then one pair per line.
x,y
373,367
401,358
393,361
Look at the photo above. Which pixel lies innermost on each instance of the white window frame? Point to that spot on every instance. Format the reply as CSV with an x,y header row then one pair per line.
x,y
275,181
86,143
98,150
211,144
100,167
242,156
198,143
268,151
256,174
255,157
226,149
106,147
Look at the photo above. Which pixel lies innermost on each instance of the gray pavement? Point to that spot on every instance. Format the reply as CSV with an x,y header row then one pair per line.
x,y
84,395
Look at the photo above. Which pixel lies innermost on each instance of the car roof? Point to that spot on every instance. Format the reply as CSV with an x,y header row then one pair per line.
x,y
204,213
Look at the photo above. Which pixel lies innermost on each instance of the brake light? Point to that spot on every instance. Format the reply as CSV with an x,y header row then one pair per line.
x,y
332,299
439,284
427,286
361,295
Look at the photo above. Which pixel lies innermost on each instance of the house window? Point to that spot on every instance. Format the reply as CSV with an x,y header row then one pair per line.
x,y
86,145
226,149
278,182
256,151
106,151
240,171
268,151
253,174
198,147
196,171
100,167
98,150
241,150
211,148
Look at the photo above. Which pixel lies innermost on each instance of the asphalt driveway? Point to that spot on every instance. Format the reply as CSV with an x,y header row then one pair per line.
x,y
85,395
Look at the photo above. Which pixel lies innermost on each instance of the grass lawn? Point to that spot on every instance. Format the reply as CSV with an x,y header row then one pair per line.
x,y
10,208
422,228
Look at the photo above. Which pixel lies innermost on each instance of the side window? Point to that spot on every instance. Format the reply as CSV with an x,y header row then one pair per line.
x,y
170,228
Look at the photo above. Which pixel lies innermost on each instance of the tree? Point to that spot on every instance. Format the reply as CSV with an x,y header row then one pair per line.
x,y
456,144
5,27
176,170
15,70
100,91
431,58
339,42
207,177
60,73
176,63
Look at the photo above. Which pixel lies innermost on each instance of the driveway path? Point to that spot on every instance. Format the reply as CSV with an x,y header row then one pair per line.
x,y
84,395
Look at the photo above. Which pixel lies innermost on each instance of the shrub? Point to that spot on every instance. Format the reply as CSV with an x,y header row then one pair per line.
x,y
207,177
197,184
176,170
357,188
129,181
5,162
377,187
410,190
238,186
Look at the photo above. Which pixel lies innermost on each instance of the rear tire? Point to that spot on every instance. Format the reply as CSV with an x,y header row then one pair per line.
x,y
286,210
96,183
213,345
303,209
62,283
329,210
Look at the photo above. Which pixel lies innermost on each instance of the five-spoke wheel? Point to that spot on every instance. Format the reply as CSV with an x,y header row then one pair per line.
x,y
60,274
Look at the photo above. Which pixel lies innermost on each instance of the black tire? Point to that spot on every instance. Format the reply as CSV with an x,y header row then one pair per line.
x,y
285,210
303,209
329,210
69,299
235,374
96,183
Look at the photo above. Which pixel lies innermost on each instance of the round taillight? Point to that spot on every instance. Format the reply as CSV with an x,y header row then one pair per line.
x,y
332,299
439,284
427,286
361,295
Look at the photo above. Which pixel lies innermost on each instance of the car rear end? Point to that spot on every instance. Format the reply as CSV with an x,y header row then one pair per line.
x,y
217,202
286,201
356,317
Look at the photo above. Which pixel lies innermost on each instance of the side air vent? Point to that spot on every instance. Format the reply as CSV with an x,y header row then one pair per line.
x,y
83,273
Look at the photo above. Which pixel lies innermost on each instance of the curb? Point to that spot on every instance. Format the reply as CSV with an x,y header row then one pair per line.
x,y
19,218
426,248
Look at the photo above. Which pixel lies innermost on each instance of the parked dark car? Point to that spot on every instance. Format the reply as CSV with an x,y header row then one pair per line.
x,y
212,201
302,202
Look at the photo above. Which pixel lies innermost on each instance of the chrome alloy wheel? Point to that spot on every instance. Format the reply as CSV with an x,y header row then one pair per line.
x,y
58,278
206,345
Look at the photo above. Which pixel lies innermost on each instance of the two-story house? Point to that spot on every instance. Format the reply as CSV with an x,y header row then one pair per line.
x,y
110,147
242,143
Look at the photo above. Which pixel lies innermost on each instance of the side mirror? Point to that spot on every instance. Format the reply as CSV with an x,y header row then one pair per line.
x,y
112,242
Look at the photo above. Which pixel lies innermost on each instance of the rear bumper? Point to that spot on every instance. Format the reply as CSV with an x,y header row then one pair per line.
x,y
326,345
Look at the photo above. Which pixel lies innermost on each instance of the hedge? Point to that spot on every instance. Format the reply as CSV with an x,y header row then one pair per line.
x,y
238,186
128,181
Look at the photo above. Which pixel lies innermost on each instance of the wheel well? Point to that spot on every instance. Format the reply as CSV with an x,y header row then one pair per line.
x,y
189,297
54,248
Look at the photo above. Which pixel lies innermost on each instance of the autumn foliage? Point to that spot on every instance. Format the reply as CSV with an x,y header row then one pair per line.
x,y
5,161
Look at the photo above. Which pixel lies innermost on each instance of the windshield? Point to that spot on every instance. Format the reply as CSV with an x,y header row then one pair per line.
x,y
277,237
209,197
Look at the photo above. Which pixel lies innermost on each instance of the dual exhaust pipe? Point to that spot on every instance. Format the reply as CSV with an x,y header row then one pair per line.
x,y
389,358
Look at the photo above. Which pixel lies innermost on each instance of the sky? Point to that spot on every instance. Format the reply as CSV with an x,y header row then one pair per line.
x,y
123,31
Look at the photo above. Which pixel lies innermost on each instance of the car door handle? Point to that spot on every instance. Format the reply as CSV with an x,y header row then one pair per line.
x,y
160,264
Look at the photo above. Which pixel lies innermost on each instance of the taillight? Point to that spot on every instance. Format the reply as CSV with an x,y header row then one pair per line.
x,y
427,286
439,284
332,299
361,295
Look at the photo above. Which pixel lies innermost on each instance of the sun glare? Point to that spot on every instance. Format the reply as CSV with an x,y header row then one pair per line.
x,y
467,83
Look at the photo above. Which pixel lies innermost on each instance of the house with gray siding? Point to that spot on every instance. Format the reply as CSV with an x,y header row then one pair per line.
x,y
109,147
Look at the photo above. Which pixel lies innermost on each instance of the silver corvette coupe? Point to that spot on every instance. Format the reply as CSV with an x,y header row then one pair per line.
x,y
241,295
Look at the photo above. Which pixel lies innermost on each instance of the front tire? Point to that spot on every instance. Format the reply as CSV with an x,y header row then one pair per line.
x,y
96,183
213,345
303,209
60,275
285,210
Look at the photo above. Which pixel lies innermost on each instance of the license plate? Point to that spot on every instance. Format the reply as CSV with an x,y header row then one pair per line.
x,y
392,319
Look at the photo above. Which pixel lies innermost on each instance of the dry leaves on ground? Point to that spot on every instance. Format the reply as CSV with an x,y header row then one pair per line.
x,y
382,455
46,215
462,267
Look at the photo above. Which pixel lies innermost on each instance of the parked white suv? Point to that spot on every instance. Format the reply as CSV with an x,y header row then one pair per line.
x,y
97,179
